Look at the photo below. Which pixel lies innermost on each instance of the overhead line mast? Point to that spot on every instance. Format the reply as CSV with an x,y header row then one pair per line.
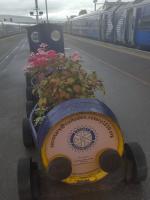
x,y
37,11
46,10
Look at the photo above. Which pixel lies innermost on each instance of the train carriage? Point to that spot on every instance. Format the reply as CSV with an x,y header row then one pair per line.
x,y
10,28
126,23
130,27
87,25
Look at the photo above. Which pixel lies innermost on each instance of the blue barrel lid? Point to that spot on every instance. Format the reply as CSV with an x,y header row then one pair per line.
x,y
71,107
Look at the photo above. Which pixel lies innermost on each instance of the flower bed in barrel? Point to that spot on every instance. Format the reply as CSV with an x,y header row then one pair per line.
x,y
55,78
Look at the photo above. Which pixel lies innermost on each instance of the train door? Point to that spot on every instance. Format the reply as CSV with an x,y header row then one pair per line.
x,y
109,27
130,26
70,27
137,26
103,26
138,17
100,25
2,31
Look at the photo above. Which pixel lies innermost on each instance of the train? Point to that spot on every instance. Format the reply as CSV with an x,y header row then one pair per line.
x,y
10,28
125,23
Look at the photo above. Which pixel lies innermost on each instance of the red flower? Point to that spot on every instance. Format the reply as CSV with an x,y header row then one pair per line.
x,y
51,54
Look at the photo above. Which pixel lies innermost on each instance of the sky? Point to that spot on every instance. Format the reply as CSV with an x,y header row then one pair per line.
x,y
58,9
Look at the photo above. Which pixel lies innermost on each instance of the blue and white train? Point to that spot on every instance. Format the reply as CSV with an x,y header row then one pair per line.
x,y
126,23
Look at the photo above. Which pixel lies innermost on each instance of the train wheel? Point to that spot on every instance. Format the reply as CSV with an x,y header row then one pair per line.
x,y
28,179
29,94
135,163
27,133
29,107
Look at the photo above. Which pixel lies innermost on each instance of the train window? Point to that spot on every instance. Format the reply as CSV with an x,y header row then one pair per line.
x,y
144,23
146,11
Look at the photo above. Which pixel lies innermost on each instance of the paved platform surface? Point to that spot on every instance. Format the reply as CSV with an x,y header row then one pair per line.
x,y
127,84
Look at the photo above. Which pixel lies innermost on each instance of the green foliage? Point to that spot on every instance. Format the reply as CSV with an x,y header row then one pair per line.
x,y
59,79
71,82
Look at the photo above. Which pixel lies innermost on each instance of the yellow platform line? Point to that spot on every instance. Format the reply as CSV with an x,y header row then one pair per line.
x,y
108,65
114,47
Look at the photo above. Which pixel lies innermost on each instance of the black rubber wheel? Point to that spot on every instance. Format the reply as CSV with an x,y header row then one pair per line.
x,y
29,95
135,163
27,133
110,161
28,179
29,107
59,169
28,79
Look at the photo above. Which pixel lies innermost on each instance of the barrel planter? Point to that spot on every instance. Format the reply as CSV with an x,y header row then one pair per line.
x,y
29,89
28,79
80,130
80,142
31,98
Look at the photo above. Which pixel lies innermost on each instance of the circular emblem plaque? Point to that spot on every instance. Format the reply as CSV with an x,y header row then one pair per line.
x,y
55,35
82,137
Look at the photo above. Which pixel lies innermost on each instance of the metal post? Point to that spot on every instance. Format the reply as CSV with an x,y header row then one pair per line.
x,y
95,2
46,10
37,11
95,6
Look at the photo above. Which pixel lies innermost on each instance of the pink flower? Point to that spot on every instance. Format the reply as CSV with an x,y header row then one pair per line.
x,y
32,57
41,51
51,54
39,62
42,58
75,56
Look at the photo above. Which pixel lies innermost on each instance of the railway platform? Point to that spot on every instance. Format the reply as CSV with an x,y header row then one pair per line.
x,y
125,73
